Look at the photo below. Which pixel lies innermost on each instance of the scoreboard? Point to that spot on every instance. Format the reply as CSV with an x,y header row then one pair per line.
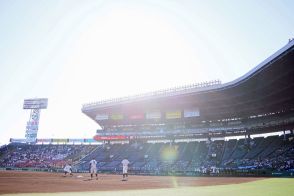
x,y
40,103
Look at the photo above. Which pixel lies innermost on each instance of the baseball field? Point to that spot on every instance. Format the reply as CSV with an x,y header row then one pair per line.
x,y
55,184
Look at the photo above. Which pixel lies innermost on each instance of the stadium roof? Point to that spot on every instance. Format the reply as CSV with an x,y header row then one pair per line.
x,y
269,87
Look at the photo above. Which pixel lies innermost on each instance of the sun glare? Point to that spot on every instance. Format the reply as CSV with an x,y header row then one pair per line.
x,y
169,153
133,47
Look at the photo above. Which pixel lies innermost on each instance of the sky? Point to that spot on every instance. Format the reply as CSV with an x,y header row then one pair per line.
x,y
75,52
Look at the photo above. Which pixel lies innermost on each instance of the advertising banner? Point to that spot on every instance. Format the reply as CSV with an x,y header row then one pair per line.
x,y
60,140
101,117
43,140
76,140
111,137
17,140
136,116
191,112
89,140
173,114
153,115
117,116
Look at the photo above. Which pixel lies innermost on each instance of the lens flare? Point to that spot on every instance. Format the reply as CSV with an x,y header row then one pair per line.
x,y
169,153
174,182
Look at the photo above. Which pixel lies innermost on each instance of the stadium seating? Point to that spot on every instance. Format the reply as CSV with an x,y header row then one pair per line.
x,y
274,153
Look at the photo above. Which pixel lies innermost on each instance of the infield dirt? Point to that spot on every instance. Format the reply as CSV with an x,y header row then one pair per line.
x,y
42,182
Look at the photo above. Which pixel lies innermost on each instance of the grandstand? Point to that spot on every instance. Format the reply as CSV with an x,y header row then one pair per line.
x,y
185,130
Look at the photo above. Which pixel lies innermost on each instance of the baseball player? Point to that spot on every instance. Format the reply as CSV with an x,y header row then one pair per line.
x,y
93,168
67,170
125,164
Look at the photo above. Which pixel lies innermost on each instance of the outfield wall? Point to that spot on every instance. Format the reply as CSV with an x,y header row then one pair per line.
x,y
224,173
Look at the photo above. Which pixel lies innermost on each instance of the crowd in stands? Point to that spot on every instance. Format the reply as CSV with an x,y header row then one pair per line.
x,y
41,156
199,127
281,159
272,153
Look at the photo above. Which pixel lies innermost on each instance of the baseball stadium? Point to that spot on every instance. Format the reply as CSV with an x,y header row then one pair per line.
x,y
209,138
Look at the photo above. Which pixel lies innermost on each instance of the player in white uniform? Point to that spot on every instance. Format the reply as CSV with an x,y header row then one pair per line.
x,y
93,168
67,170
125,164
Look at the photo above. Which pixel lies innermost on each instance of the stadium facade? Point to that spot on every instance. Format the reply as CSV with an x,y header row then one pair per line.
x,y
261,101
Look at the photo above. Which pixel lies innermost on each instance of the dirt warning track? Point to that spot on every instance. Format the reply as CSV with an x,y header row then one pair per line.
x,y
42,182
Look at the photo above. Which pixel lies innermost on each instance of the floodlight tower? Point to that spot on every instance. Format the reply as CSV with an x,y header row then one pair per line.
x,y
35,105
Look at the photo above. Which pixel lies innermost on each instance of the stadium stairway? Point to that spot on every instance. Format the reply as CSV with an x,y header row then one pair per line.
x,y
230,147
82,164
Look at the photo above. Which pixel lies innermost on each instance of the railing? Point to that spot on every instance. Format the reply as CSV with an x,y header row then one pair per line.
x,y
169,91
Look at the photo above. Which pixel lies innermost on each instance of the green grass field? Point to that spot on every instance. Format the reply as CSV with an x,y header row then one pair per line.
x,y
273,186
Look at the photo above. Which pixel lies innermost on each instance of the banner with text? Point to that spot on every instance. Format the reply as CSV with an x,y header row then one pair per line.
x,y
153,115
191,112
173,114
117,116
101,117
